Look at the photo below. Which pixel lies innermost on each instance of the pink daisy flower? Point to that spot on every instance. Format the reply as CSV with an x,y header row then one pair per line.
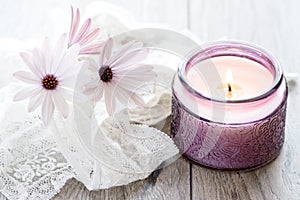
x,y
85,36
119,75
52,72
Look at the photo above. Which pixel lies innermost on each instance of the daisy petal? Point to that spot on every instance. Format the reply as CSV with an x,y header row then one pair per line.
x,y
25,93
129,97
84,28
26,77
68,82
70,77
91,36
134,86
94,48
92,84
69,60
93,65
140,72
122,96
148,76
74,26
126,47
36,101
130,58
89,91
38,61
110,102
107,49
59,51
47,53
27,58
66,93
61,104
98,94
138,100
47,109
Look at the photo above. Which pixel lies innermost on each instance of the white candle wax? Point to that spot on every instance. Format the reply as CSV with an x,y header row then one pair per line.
x,y
249,78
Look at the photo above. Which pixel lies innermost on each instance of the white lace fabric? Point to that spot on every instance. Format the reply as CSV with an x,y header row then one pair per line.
x,y
31,166
110,151
115,155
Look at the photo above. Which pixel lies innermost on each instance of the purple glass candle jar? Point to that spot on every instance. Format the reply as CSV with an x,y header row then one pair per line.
x,y
236,124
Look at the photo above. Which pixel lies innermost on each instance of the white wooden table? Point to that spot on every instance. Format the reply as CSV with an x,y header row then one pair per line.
x,y
272,24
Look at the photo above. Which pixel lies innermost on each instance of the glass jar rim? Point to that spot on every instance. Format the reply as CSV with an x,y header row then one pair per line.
x,y
228,48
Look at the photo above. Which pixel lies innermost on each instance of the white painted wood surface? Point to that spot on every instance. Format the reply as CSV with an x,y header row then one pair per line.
x,y
272,24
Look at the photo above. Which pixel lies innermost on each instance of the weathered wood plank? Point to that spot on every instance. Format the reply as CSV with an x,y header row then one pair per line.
x,y
278,180
172,183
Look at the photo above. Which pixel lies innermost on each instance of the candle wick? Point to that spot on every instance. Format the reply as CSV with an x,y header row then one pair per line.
x,y
229,94
229,88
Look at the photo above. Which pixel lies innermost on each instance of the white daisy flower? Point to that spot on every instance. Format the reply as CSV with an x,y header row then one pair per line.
x,y
120,75
52,75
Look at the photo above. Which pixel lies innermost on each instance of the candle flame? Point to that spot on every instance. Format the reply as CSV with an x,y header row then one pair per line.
x,y
229,77
229,82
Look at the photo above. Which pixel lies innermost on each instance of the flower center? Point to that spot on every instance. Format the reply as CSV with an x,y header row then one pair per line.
x,y
49,82
105,74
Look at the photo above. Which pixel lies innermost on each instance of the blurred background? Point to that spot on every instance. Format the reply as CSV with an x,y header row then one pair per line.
x,y
272,24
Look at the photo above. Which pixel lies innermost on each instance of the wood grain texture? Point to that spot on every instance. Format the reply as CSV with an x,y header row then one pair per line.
x,y
172,183
268,182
